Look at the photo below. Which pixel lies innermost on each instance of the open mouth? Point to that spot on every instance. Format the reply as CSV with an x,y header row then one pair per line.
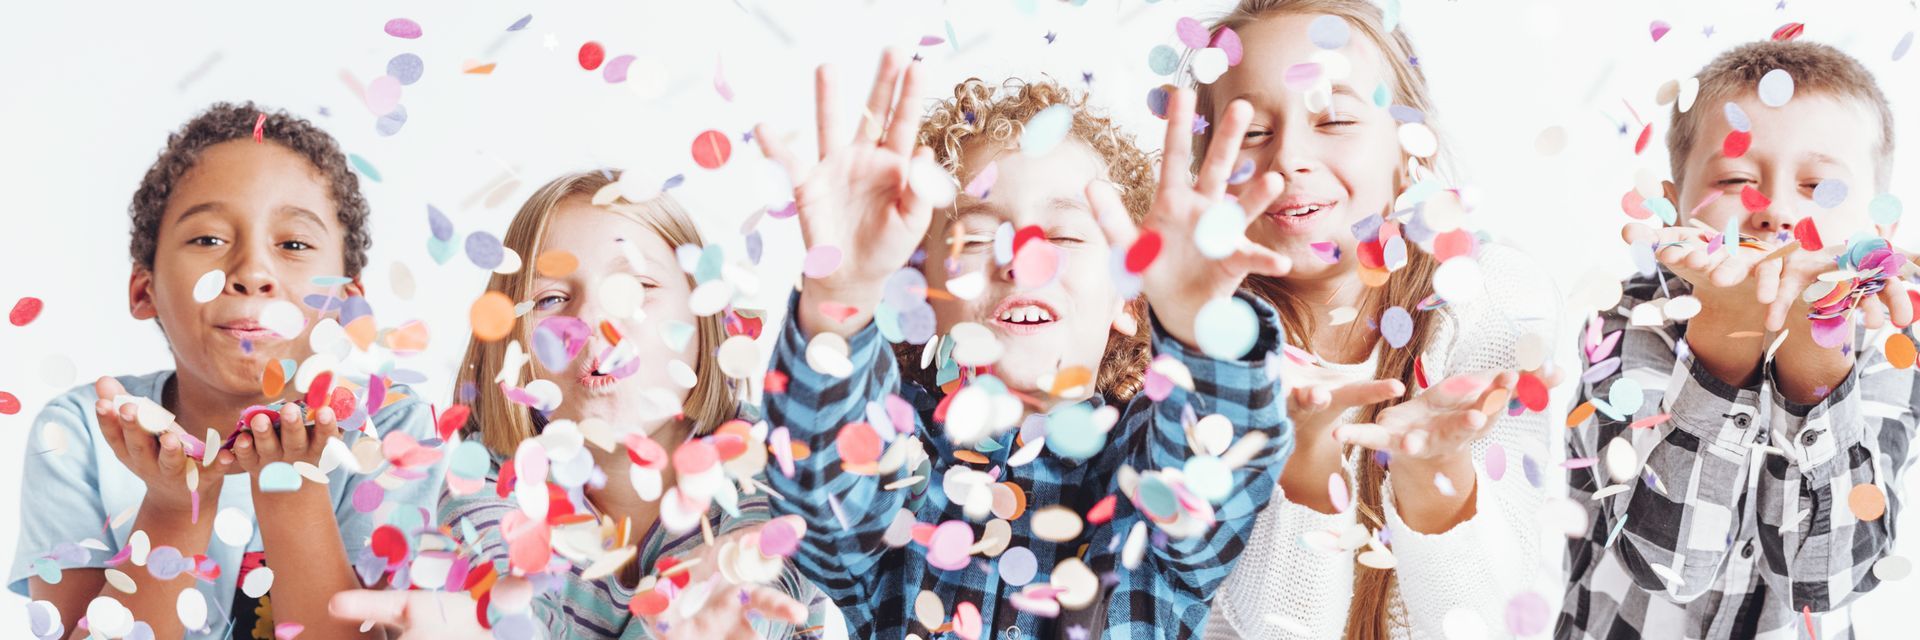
x,y
611,366
1024,316
1295,211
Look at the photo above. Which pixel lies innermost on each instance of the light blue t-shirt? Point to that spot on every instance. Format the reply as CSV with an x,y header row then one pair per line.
x,y
68,496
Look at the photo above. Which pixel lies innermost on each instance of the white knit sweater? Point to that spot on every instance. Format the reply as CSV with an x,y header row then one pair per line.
x,y
1285,587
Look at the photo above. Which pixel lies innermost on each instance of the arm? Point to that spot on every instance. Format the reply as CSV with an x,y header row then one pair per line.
x,y
298,529
1673,541
838,556
60,504
1860,435
1181,576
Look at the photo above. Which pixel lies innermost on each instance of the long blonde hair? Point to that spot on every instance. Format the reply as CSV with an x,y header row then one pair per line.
x,y
502,424
1370,616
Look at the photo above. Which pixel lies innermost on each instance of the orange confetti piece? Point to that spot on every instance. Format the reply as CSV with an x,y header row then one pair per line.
x,y
409,338
556,264
1580,414
1070,377
361,331
1867,501
970,456
492,316
273,380
1900,351
475,68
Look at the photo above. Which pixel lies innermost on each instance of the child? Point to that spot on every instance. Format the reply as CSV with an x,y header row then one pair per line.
x,y
893,484
1765,488
1387,292
249,233
635,376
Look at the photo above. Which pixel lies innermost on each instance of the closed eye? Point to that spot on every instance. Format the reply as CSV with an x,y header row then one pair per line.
x,y
1734,182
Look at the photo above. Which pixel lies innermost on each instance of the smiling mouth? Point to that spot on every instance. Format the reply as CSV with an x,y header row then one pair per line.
x,y
1024,317
1298,211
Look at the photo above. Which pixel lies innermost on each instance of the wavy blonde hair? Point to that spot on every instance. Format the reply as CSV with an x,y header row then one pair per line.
x,y
980,114
502,424
1370,617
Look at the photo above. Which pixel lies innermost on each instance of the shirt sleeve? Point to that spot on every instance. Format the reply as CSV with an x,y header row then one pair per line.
x,y
1673,520
1851,448
60,501
847,514
1181,576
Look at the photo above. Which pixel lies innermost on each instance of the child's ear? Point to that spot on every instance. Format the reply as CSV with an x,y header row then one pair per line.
x,y
140,294
1124,320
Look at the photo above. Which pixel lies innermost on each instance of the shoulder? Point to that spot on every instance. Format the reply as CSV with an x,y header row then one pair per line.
x,y
408,414
74,408
1514,299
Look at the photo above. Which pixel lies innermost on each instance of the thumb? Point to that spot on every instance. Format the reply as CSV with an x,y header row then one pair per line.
x,y
380,607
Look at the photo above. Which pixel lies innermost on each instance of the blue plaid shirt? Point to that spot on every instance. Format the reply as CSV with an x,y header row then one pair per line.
x,y
876,587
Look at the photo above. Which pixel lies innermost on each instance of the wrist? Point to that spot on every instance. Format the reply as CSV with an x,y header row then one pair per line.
x,y
837,307
1728,345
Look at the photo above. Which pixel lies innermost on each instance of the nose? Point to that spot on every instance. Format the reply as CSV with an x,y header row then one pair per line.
x,y
1777,216
251,272
1293,152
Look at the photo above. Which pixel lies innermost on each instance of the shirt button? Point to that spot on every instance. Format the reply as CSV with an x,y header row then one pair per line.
x,y
1807,439
1747,551
1741,420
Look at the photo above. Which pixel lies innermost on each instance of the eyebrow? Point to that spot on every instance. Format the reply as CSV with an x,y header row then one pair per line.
x,y
1821,158
1067,203
284,212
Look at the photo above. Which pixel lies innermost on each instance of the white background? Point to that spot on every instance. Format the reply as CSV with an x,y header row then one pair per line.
x,y
90,93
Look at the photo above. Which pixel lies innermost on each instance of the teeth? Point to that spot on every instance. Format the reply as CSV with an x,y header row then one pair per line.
x,y
1300,210
1026,314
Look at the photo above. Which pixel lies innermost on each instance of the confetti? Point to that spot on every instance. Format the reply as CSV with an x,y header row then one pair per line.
x,y
1623,464
1892,568
1229,43
1459,280
24,311
1045,130
1163,60
405,68
1776,88
1418,140
491,316
259,128
1035,265
932,183
1789,31
365,168
1867,501
615,71
821,261
947,548
1884,209
1396,325
1900,48
1221,229
1527,614
1736,144
382,95
484,250
1302,76
556,264
521,23
1337,492
1055,523
279,477
1900,351
1737,117
1829,193
403,28
1807,234
1191,33
283,318
9,404
1226,328
591,55
209,285
1328,32
1658,29
711,149
1753,200
1550,141
982,182
1208,64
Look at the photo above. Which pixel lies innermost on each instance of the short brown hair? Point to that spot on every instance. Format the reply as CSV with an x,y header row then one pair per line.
x,y
1816,69
981,113
224,121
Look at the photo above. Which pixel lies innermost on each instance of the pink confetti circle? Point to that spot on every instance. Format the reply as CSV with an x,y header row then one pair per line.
x,y
821,261
383,94
403,28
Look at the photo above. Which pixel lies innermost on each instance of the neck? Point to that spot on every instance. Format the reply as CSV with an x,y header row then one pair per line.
x,y
1337,288
617,498
198,406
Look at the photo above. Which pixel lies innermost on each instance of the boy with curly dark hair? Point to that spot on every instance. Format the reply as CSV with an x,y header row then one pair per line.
x,y
248,232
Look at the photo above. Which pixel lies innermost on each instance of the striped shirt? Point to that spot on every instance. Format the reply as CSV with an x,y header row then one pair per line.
x,y
571,607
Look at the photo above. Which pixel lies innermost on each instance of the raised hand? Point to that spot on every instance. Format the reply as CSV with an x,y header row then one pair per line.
x,y
175,482
1441,422
857,199
1185,277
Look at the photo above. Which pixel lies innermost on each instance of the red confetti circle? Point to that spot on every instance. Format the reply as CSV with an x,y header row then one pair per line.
x,y
591,55
1753,200
1145,248
25,311
711,149
1736,144
1026,233
1808,236
9,404
390,544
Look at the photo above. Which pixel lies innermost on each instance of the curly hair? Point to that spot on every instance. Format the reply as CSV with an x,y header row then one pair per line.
x,y
222,122
980,113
